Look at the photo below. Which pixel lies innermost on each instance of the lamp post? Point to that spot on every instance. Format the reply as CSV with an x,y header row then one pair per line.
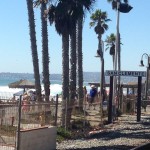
x,y
147,72
124,8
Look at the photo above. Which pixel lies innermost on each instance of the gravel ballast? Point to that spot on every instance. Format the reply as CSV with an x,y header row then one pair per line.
x,y
124,134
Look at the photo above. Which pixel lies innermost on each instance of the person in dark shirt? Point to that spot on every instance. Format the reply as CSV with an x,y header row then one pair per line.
x,y
93,93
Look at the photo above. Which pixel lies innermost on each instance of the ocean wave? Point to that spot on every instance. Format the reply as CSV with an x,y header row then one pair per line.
x,y
7,93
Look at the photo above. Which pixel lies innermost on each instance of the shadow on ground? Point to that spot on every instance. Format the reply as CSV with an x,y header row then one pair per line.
x,y
118,147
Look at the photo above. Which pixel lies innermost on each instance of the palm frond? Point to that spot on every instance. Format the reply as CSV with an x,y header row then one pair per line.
x,y
106,20
105,26
99,18
50,13
106,48
36,3
126,1
92,24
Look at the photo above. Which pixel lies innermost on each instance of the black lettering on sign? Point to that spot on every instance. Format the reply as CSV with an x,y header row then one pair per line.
x,y
125,73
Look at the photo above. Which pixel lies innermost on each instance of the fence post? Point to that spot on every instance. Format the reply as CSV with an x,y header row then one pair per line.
x,y
56,110
19,122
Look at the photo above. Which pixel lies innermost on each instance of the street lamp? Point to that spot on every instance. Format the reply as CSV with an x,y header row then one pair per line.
x,y
147,73
124,8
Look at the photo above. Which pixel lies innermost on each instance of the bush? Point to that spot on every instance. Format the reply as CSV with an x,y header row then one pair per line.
x,y
62,134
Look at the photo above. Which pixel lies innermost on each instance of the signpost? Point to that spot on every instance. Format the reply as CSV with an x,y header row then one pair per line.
x,y
138,74
125,73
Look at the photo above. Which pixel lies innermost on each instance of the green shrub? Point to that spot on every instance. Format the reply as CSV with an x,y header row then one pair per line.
x,y
62,134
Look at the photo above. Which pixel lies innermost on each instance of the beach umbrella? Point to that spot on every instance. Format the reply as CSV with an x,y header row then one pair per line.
x,y
22,84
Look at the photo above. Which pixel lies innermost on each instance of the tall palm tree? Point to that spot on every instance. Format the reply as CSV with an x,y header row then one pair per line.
x,y
65,16
82,6
57,14
34,48
111,42
73,62
80,61
76,12
45,52
99,22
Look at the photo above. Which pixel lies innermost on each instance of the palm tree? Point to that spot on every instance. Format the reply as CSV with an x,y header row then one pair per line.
x,y
88,3
34,48
80,61
57,14
76,12
73,61
65,16
111,40
98,21
45,52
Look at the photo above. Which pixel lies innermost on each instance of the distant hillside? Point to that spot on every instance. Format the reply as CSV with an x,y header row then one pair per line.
x,y
87,76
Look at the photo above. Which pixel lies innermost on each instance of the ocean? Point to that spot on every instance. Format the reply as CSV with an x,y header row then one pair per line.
x,y
55,80
7,78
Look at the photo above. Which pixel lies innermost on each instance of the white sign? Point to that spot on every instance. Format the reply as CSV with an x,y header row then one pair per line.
x,y
125,73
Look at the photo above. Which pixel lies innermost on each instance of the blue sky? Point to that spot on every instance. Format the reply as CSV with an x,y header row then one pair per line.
x,y
15,49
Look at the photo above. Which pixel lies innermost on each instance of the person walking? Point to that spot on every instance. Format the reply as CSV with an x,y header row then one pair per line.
x,y
93,94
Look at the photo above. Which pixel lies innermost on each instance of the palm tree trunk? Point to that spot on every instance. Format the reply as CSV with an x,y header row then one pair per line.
x,y
45,53
102,75
72,74
34,48
65,74
80,61
101,59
